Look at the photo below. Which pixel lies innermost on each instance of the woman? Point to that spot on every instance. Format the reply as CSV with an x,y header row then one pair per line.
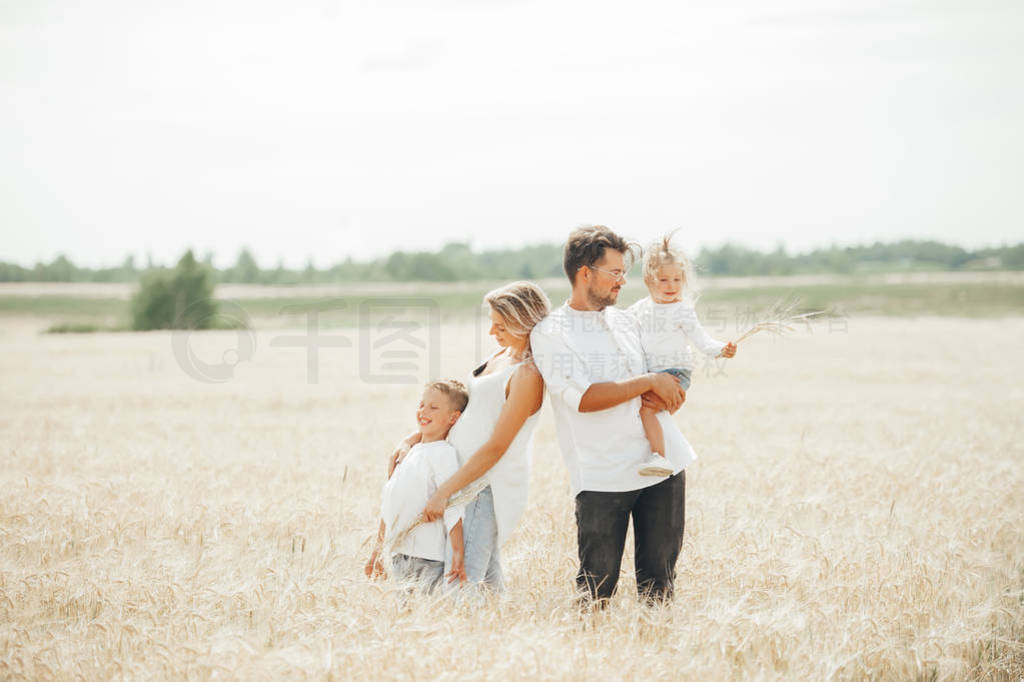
x,y
493,435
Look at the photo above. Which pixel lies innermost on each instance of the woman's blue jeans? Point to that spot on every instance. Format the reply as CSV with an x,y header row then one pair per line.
x,y
480,535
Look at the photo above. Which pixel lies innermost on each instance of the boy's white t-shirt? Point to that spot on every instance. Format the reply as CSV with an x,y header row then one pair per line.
x,y
416,478
666,332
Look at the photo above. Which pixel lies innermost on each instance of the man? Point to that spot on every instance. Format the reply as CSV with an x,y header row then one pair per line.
x,y
590,356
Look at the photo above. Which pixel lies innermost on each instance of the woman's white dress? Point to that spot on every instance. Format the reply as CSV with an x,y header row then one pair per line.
x,y
509,478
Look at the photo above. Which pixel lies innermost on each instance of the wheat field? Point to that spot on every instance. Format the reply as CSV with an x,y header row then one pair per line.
x,y
857,511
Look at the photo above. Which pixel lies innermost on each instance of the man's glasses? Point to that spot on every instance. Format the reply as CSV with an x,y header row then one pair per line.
x,y
619,275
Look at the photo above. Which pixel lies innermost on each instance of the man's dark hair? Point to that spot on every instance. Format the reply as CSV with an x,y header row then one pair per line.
x,y
586,246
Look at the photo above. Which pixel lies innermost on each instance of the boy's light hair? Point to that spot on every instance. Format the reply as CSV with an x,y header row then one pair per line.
x,y
454,390
664,252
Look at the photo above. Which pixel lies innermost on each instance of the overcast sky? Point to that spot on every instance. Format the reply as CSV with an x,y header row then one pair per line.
x,y
327,129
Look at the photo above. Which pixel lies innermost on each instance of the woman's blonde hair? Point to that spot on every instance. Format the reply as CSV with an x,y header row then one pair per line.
x,y
521,305
664,252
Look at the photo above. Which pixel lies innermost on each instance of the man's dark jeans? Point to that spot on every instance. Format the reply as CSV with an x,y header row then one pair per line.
x,y
602,519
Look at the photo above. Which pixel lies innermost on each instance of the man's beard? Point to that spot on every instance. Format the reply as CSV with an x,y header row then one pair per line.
x,y
599,301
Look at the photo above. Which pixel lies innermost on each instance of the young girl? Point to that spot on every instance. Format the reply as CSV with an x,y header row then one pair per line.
x,y
668,325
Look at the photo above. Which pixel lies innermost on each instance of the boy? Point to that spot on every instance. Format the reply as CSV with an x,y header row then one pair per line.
x,y
419,554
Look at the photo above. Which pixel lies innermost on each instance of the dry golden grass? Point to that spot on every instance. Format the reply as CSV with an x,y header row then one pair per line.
x,y
857,511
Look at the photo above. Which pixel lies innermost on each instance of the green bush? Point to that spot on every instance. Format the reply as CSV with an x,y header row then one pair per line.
x,y
180,298
73,328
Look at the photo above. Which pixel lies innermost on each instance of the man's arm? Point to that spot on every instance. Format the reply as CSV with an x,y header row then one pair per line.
x,y
564,376
606,394
653,402
567,380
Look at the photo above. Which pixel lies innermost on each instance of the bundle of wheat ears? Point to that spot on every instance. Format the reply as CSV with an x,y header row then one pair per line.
x,y
780,319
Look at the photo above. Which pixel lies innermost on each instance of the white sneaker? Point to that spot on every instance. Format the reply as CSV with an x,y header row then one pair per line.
x,y
655,465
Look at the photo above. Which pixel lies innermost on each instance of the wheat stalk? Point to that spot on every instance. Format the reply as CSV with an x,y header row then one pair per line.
x,y
781,318
98,563
464,496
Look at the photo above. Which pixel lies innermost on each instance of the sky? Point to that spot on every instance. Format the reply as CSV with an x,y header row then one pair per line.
x,y
321,130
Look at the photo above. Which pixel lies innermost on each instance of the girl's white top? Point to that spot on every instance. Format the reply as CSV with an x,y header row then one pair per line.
x,y
416,478
509,478
666,332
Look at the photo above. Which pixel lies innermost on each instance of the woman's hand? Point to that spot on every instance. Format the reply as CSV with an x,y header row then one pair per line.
x,y
458,571
374,567
401,451
729,350
436,505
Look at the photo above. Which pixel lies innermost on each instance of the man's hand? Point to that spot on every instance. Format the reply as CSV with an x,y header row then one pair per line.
x,y
729,350
667,388
374,567
652,401
458,571
435,507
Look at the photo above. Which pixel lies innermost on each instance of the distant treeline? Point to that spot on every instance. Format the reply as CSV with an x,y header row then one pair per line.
x,y
457,261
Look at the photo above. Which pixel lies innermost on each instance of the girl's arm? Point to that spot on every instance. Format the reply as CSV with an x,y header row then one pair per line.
x,y
704,342
525,395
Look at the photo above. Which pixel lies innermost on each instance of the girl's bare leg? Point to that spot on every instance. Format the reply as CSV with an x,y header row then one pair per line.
x,y
652,429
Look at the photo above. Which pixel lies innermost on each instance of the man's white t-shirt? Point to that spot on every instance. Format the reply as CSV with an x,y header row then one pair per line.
x,y
602,450
416,478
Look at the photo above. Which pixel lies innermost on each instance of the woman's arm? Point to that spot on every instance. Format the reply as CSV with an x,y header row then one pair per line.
x,y
402,449
525,395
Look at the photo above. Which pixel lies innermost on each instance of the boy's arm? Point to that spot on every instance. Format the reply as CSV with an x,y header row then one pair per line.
x,y
442,468
458,571
374,566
